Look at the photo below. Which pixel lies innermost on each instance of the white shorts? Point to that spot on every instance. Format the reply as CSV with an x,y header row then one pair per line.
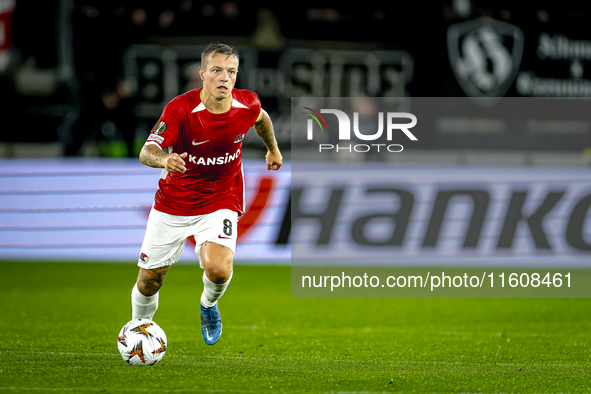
x,y
166,235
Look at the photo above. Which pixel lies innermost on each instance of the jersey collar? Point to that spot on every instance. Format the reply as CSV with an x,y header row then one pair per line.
x,y
235,103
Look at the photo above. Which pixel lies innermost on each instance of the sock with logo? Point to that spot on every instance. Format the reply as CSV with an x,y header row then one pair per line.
x,y
143,307
213,291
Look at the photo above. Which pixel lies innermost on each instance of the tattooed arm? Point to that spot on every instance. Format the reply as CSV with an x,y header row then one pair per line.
x,y
152,156
264,129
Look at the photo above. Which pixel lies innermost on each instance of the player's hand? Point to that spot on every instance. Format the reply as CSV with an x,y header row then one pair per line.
x,y
175,163
274,159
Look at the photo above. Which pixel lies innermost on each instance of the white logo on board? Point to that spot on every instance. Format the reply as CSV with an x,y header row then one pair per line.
x,y
485,55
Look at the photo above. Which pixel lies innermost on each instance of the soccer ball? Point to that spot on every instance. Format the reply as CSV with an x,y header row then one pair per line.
x,y
142,342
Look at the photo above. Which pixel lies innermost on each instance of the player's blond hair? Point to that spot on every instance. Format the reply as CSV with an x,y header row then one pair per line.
x,y
213,49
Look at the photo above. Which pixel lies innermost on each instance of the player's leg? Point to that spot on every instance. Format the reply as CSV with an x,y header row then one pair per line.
x,y
163,244
216,254
217,265
145,293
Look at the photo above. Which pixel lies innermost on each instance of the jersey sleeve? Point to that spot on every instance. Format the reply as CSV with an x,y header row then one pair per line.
x,y
255,104
166,129
259,109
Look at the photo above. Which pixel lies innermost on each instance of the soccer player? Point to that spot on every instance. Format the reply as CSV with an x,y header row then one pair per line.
x,y
198,143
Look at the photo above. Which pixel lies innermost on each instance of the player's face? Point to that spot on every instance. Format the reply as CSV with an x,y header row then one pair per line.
x,y
219,75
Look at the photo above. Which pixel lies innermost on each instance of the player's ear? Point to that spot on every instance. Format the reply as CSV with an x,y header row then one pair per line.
x,y
201,71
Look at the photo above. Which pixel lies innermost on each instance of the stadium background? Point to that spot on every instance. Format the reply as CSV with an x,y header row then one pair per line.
x,y
92,85
82,84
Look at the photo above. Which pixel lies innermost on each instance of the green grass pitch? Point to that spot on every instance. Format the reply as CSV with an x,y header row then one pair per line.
x,y
59,323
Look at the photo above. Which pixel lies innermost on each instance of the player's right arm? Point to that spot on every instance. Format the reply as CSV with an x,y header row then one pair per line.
x,y
153,156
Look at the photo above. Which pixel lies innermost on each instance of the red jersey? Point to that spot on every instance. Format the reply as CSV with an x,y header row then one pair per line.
x,y
214,178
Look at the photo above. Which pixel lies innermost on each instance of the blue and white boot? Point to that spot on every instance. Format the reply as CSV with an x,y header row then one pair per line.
x,y
211,324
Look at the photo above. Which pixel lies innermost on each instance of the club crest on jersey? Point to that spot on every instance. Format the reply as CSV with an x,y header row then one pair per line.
x,y
159,128
239,138
144,257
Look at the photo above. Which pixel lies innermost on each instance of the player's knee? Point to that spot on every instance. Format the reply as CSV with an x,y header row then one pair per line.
x,y
219,273
217,261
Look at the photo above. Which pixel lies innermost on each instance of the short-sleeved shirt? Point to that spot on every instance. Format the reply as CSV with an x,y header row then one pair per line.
x,y
214,178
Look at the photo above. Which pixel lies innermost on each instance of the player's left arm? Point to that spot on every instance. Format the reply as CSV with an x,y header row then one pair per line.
x,y
264,128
